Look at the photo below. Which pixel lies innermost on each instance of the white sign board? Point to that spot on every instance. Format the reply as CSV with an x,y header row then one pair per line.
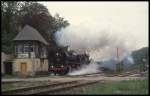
x,y
23,55
32,55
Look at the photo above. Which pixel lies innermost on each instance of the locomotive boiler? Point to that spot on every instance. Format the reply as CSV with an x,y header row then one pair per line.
x,y
62,62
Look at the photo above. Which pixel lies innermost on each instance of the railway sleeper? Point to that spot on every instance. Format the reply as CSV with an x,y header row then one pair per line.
x,y
66,87
27,90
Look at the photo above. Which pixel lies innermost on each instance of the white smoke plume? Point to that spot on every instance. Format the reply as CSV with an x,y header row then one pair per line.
x,y
127,60
109,64
86,69
99,40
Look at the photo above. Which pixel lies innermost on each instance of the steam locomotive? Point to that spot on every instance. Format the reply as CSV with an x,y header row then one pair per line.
x,y
62,62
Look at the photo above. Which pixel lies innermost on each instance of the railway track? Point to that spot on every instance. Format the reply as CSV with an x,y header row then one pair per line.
x,y
130,73
103,74
86,75
47,89
55,87
24,90
60,89
9,82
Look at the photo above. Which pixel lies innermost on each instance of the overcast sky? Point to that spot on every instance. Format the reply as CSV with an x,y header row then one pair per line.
x,y
127,18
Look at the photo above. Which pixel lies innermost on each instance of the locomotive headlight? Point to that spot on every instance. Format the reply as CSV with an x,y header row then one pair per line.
x,y
57,54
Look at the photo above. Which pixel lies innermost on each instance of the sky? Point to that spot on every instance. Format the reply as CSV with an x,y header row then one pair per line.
x,y
128,19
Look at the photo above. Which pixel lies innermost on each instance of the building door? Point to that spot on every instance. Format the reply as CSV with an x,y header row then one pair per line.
x,y
8,68
23,68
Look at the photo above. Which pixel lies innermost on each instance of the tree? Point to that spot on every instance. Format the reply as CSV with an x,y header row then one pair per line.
x,y
9,24
16,14
140,54
38,16
60,22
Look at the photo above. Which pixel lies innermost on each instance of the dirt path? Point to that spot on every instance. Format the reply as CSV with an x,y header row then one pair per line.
x,y
65,78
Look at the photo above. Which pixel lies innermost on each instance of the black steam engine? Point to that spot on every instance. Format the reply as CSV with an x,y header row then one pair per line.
x,y
61,61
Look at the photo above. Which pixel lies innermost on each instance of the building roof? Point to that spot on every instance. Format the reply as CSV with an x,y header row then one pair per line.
x,y
29,33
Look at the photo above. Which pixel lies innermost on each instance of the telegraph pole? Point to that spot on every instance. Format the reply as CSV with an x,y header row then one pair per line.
x,y
117,56
117,59
118,63
119,66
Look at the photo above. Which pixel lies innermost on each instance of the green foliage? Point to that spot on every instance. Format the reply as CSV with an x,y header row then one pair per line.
x,y
9,24
140,54
38,16
59,22
119,67
121,87
18,14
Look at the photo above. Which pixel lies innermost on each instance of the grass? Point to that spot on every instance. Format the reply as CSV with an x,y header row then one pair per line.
x,y
7,76
121,87
113,87
9,86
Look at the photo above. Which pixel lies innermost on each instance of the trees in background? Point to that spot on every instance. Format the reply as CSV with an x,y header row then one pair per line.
x,y
16,15
140,55
141,59
9,24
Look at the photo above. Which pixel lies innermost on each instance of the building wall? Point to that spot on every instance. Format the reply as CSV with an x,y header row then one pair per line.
x,y
33,66
5,57
45,67
2,67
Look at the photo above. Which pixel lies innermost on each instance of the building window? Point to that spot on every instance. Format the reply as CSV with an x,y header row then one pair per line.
x,y
31,49
23,49
28,49
43,52
15,50
19,49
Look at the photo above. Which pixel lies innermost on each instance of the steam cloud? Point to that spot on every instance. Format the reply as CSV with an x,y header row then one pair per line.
x,y
86,69
99,41
111,63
